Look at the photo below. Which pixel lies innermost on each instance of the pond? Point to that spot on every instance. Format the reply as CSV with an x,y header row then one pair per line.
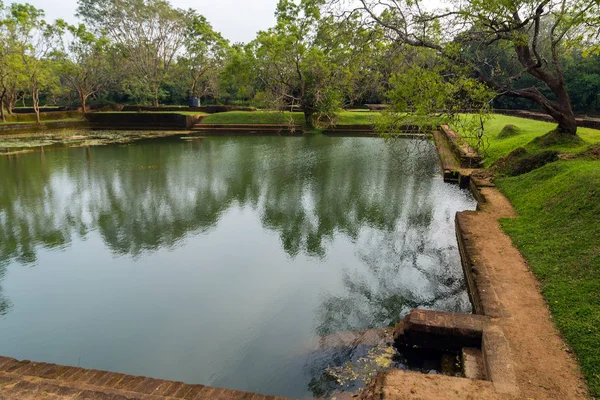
x,y
222,261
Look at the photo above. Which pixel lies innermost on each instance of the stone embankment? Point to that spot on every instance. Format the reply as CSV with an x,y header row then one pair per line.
x,y
25,380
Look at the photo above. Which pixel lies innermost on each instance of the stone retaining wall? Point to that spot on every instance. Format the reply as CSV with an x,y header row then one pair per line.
x,y
150,121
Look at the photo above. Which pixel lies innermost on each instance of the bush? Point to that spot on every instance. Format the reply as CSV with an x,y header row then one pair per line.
x,y
509,130
520,162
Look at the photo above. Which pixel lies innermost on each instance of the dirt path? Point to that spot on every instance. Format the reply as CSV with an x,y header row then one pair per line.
x,y
544,366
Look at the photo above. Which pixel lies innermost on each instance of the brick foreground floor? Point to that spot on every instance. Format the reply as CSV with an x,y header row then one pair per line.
x,y
26,380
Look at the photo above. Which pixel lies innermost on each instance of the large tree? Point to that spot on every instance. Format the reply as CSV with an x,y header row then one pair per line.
x,y
295,67
535,30
202,62
238,78
12,78
33,42
84,63
151,34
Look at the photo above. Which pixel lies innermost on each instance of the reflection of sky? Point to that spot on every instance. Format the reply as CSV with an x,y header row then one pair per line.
x,y
217,262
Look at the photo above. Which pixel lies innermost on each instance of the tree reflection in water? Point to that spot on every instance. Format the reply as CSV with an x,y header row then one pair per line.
x,y
149,196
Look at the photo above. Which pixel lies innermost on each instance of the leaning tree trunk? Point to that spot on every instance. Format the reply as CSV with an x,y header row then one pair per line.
x,y
559,109
563,113
566,119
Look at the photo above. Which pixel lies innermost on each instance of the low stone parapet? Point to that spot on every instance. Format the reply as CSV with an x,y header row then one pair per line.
x,y
468,156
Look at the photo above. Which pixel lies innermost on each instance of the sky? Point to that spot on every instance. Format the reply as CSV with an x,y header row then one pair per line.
x,y
237,20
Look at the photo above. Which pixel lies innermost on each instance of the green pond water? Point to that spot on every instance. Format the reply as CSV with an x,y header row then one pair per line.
x,y
222,261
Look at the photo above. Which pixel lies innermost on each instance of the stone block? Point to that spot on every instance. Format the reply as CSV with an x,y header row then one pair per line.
x,y
148,385
473,364
129,382
440,330
173,389
498,361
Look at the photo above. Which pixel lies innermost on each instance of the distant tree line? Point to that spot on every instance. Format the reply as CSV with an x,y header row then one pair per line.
x,y
320,56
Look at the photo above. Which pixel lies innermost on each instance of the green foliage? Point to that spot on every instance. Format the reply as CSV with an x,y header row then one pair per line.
x,y
558,233
201,64
238,77
297,64
430,91
148,33
28,45
83,63
475,37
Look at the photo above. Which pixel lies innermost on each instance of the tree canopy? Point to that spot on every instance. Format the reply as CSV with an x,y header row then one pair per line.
x,y
535,34
321,56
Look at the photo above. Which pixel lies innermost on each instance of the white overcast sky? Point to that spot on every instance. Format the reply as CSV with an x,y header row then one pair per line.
x,y
237,20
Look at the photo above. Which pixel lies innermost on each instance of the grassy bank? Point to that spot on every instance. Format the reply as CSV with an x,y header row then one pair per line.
x,y
275,117
558,231
44,117
496,147
43,121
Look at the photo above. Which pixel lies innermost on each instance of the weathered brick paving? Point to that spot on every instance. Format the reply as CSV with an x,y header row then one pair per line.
x,y
26,380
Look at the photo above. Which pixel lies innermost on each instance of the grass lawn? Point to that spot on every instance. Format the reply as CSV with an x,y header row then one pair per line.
x,y
254,117
359,117
529,129
558,232
276,117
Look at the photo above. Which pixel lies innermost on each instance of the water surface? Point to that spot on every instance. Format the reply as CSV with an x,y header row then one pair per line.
x,y
220,260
